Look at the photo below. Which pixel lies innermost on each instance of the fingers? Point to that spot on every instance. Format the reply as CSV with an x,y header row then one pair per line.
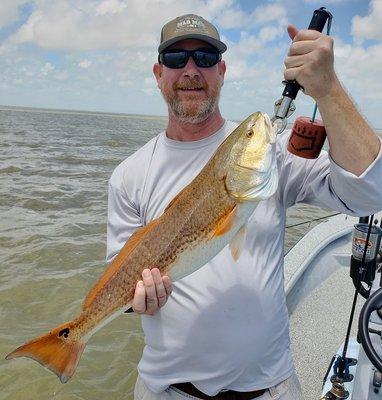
x,y
161,295
152,292
310,61
291,74
292,31
306,34
295,61
139,302
299,48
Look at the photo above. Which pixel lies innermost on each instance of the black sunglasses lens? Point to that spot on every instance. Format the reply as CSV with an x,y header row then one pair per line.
x,y
205,59
178,59
175,60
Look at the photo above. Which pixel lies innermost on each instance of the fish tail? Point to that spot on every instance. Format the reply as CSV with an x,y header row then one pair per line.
x,y
59,350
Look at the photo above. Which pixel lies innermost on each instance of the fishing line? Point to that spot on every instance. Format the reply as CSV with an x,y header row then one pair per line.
x,y
312,220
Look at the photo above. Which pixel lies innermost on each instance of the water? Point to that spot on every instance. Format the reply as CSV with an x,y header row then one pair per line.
x,y
54,171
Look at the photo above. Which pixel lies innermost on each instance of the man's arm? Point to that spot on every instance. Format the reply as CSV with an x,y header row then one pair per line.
x,y
353,144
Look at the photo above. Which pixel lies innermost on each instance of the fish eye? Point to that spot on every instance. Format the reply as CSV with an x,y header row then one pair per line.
x,y
249,134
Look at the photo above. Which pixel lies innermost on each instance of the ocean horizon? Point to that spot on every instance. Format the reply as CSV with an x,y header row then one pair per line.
x,y
114,114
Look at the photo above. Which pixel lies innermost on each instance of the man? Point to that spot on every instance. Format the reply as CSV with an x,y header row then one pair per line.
x,y
224,330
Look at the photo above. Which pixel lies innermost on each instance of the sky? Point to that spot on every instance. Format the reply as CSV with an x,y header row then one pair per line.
x,y
97,55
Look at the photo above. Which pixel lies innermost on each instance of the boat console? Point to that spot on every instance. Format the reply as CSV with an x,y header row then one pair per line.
x,y
355,373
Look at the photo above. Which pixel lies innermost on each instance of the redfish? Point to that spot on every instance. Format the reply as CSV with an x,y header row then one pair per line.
x,y
208,214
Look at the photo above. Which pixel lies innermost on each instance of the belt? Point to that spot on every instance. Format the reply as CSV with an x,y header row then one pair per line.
x,y
190,389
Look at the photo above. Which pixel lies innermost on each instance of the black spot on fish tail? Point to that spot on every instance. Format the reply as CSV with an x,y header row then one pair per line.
x,y
64,332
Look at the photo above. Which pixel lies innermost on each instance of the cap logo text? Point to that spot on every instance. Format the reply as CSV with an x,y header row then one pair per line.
x,y
189,23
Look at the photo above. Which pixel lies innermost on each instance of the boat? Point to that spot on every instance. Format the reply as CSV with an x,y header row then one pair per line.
x,y
320,295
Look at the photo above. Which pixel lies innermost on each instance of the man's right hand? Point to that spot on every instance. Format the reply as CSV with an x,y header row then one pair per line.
x,y
152,292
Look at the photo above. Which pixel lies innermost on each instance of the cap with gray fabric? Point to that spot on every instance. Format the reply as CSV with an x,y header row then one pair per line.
x,y
190,26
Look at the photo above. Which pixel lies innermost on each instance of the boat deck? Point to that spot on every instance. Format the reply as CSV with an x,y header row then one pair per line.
x,y
318,327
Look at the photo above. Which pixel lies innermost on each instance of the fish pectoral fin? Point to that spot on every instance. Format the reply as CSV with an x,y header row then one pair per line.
x,y
225,223
237,243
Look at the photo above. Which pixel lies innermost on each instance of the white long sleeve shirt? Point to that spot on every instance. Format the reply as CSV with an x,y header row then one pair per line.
x,y
226,325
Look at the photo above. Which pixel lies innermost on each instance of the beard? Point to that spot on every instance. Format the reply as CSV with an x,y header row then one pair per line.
x,y
191,109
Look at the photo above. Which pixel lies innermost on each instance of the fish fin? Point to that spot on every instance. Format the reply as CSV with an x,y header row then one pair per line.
x,y
57,350
237,243
114,266
225,223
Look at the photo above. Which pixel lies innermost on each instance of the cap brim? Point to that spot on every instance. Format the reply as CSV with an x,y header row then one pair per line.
x,y
213,42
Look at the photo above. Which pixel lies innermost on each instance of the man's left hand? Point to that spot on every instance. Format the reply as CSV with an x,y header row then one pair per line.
x,y
310,61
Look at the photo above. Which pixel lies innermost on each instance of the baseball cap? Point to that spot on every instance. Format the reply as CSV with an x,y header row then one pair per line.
x,y
190,26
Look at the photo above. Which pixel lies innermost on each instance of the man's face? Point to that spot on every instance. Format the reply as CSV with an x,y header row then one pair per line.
x,y
191,93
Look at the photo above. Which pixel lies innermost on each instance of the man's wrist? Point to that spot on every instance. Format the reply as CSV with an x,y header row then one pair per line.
x,y
332,96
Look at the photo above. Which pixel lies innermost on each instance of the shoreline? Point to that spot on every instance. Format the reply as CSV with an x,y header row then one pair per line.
x,y
78,112
111,114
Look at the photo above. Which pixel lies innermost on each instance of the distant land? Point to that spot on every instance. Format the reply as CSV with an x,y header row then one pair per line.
x,y
83,112
111,114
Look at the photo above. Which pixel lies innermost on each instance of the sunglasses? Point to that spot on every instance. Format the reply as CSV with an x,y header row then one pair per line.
x,y
203,58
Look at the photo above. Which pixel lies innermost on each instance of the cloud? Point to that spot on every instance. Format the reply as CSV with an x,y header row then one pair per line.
x,y
268,13
85,64
70,26
125,83
269,33
111,7
232,19
47,68
370,26
362,81
61,25
213,8
236,18
61,76
9,11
